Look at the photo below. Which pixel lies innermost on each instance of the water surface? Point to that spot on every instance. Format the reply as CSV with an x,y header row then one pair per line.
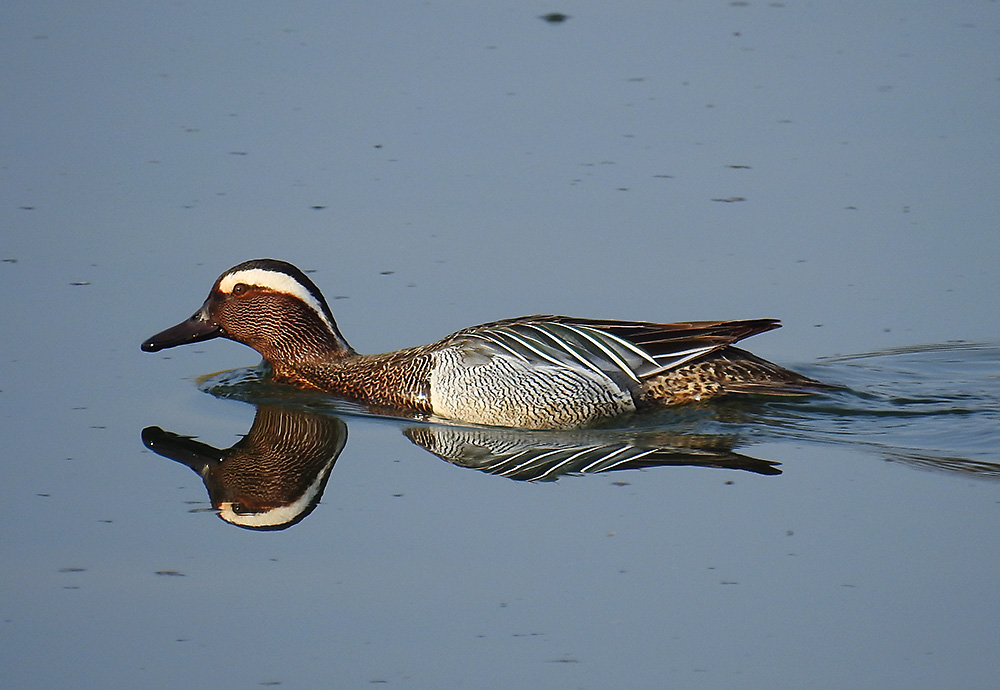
x,y
440,165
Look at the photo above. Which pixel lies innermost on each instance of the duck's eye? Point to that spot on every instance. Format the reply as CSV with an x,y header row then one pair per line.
x,y
240,289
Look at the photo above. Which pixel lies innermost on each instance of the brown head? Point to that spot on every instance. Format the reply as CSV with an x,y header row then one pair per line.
x,y
269,305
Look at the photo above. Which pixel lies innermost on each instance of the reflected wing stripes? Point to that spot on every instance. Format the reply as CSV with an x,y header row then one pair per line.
x,y
547,464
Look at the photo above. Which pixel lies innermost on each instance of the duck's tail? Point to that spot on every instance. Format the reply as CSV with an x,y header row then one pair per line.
x,y
727,370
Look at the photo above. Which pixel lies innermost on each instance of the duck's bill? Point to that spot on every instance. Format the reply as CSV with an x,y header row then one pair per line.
x,y
194,330
182,449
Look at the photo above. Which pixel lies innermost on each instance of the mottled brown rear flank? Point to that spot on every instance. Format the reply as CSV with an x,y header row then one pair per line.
x,y
729,370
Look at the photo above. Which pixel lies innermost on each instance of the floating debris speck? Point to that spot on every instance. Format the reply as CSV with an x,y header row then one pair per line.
x,y
554,17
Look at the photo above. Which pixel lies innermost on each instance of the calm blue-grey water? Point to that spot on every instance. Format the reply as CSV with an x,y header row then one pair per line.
x,y
437,165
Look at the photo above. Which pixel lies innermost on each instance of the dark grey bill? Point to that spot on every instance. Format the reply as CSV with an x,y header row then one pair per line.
x,y
194,330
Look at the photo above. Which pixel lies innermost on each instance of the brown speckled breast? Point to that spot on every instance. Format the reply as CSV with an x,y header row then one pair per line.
x,y
395,379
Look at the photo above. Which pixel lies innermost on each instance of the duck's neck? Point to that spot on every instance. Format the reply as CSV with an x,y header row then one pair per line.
x,y
299,341
316,346
336,344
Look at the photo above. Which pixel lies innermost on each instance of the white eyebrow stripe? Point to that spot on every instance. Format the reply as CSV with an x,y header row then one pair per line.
x,y
277,281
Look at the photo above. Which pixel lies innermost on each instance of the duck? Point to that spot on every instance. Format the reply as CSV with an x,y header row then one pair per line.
x,y
531,372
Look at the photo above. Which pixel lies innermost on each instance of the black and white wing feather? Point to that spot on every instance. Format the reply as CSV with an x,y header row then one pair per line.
x,y
627,351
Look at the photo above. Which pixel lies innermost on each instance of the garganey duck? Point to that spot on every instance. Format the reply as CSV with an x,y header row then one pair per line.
x,y
539,372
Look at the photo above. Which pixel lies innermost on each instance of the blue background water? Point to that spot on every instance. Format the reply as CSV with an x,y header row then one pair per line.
x,y
442,164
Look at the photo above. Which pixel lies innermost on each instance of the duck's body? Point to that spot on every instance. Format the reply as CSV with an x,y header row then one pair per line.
x,y
539,372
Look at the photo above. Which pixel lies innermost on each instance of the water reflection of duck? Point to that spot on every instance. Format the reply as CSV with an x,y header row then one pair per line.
x,y
539,372
273,477
547,455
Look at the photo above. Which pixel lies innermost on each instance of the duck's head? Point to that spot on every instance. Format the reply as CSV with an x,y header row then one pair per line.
x,y
267,304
